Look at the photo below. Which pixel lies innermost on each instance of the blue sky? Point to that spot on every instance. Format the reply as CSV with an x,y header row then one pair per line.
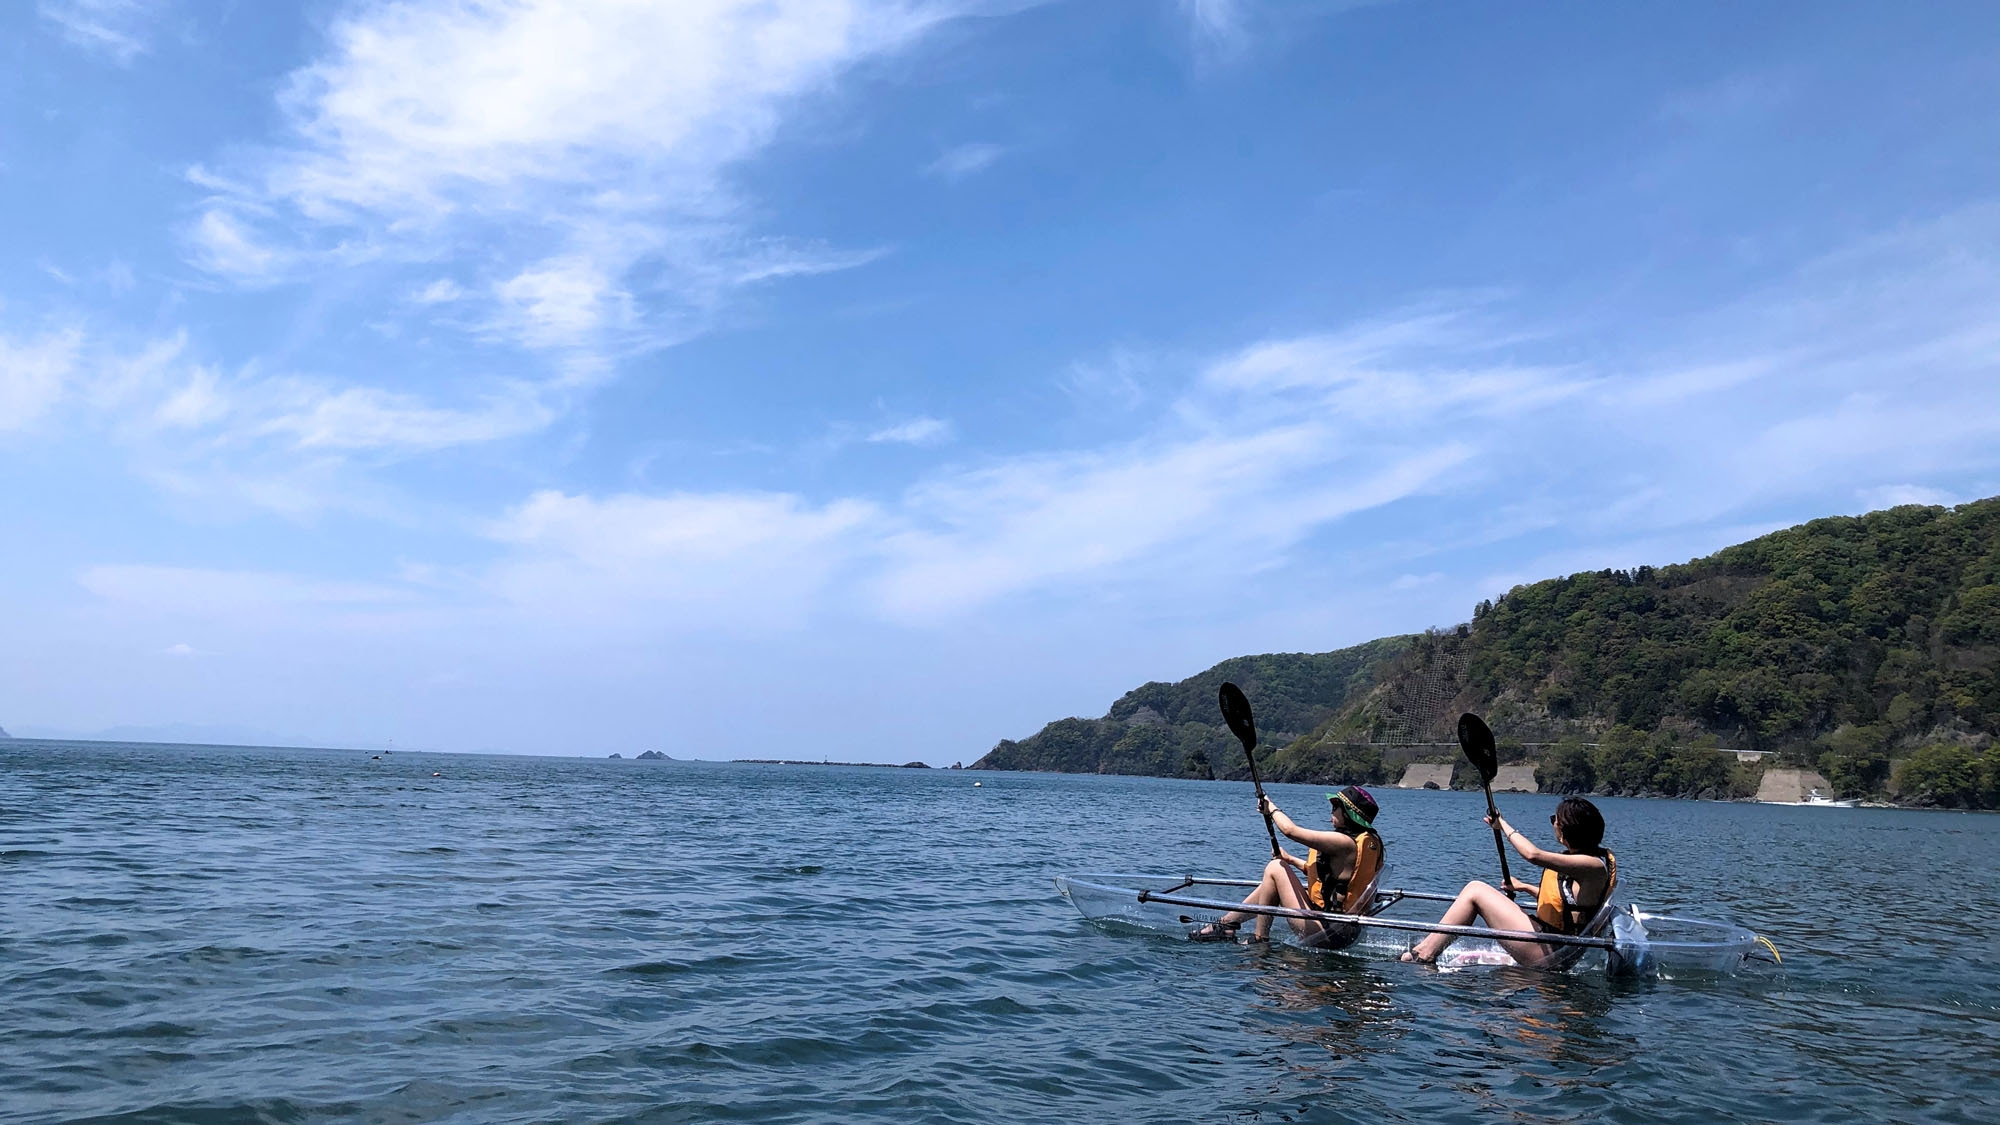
x,y
880,380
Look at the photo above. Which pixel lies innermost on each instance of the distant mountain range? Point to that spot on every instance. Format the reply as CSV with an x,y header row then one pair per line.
x,y
1844,643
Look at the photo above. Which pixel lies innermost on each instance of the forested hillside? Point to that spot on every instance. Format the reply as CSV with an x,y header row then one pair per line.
x,y
1844,643
1175,730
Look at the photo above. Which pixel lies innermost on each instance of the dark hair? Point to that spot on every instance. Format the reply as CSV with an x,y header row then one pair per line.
x,y
1581,824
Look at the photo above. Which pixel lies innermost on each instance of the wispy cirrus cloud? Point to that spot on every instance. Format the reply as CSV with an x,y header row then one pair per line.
x,y
1265,442
198,589
161,389
119,30
292,443
701,560
34,375
1216,26
964,160
922,430
1866,371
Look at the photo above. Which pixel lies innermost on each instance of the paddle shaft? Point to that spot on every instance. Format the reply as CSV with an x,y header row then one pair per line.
x,y
1256,782
1271,827
1499,844
1475,738
1236,712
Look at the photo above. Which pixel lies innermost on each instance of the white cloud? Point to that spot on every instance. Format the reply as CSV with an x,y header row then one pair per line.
x,y
197,403
228,594
1222,31
1896,495
317,416
917,431
181,650
1866,372
442,291
289,443
1266,446
729,559
34,375
158,390
116,29
576,149
1205,505
1869,368
1216,25
1370,373
1870,374
559,302
964,160
222,243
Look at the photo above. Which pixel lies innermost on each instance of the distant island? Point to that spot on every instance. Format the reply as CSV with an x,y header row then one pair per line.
x,y
1862,652
4,734
645,756
793,762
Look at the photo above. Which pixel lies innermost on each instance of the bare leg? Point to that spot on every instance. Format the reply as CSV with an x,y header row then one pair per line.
x,y
1488,904
1275,890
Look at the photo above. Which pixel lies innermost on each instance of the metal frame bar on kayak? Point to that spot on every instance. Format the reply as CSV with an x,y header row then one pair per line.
x,y
1385,898
1382,923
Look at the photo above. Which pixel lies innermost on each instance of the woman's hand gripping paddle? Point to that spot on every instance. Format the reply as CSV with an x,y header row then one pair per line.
x,y
1236,712
1476,739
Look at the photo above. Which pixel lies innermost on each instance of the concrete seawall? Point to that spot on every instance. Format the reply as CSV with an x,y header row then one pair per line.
x,y
1507,779
1419,774
1791,786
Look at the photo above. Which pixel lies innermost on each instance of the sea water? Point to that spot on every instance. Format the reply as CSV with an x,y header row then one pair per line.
x,y
247,935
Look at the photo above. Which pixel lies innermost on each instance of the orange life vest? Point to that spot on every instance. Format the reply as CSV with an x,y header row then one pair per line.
x,y
1558,910
1343,895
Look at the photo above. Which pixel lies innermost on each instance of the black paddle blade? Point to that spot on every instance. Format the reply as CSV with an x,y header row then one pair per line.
x,y
1476,739
1236,712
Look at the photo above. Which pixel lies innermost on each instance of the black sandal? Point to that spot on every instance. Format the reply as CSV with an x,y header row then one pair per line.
x,y
1216,931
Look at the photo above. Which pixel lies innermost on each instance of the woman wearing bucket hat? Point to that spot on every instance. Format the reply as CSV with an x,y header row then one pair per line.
x,y
1339,868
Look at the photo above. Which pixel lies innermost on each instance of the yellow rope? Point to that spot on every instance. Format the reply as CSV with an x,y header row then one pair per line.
x,y
1766,943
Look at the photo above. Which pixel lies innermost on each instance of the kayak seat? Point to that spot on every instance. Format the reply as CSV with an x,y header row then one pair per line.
x,y
1336,935
1561,957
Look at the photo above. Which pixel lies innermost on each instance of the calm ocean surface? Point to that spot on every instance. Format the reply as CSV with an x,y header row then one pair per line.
x,y
236,935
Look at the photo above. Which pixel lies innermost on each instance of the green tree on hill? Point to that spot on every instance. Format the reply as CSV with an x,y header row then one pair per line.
x,y
1952,776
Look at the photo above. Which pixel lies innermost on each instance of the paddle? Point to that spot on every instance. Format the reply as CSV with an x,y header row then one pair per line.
x,y
1476,739
1236,712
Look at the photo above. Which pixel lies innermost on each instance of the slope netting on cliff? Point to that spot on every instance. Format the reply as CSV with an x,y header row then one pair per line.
x,y
1419,704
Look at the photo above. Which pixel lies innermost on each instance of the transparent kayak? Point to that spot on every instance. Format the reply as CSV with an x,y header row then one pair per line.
x,y
1621,940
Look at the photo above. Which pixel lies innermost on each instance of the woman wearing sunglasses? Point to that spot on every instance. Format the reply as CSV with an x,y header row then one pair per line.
x,y
1576,883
